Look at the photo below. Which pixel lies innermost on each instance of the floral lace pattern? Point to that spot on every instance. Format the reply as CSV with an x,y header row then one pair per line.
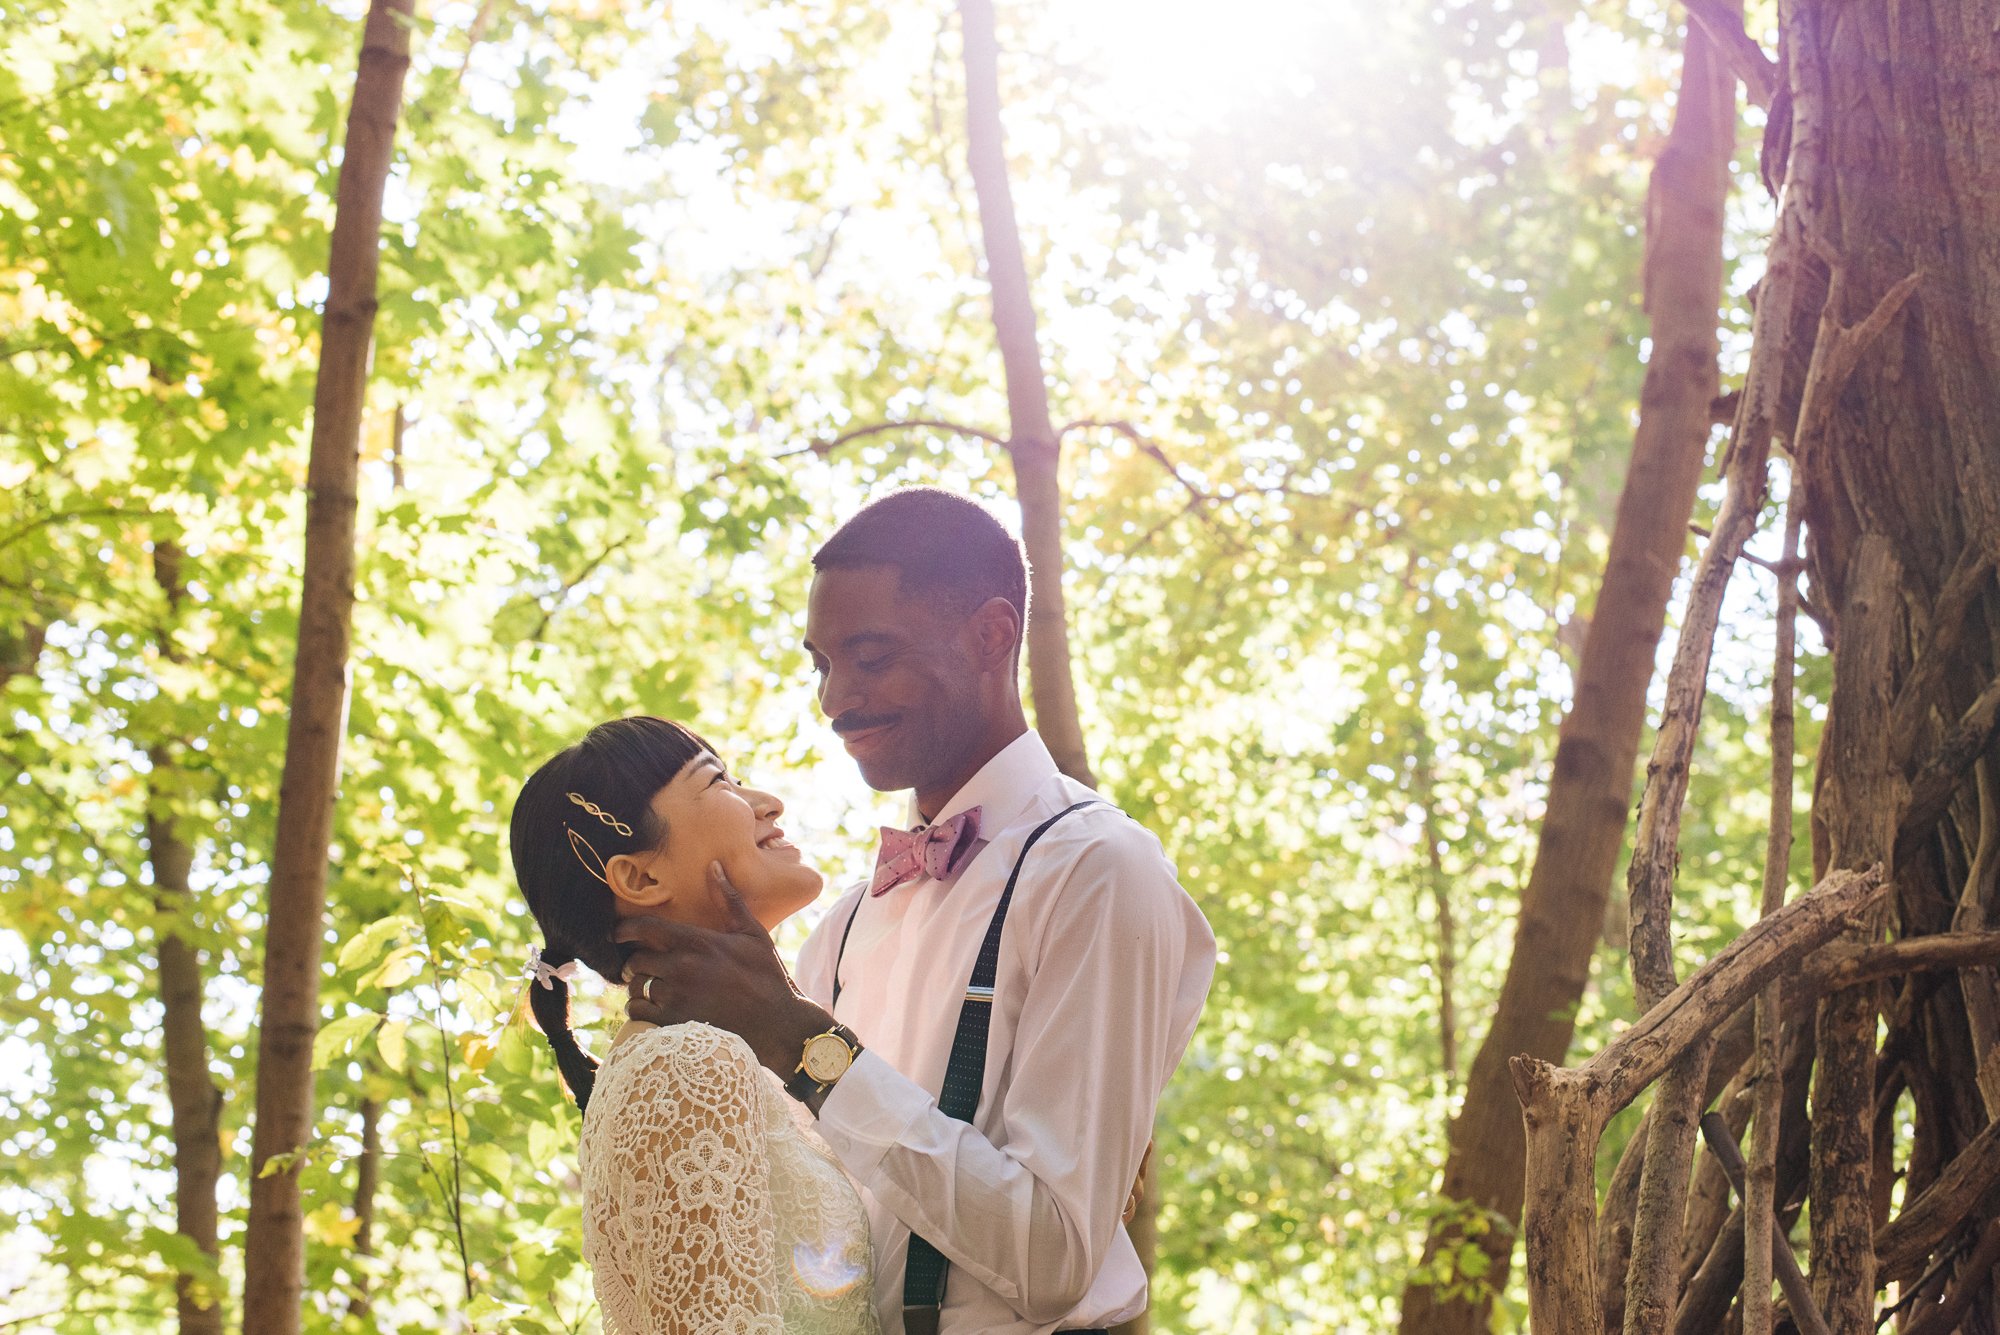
x,y
711,1206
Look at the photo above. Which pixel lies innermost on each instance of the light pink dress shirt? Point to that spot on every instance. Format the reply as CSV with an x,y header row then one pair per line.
x,y
1104,965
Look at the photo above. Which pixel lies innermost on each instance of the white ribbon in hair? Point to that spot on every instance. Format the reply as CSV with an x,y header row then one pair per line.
x,y
540,971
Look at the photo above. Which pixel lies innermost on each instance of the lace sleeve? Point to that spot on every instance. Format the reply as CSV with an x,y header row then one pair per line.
x,y
677,1187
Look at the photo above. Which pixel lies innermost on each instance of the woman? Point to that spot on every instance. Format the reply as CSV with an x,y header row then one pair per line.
x,y
710,1204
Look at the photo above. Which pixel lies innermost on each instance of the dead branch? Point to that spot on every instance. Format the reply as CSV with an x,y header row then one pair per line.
x,y
1719,988
1759,1205
1857,808
1747,60
1797,1292
1652,1277
1903,1243
1649,879
1935,782
1977,1271
1841,966
1614,1218
1948,623
1564,1110
1838,351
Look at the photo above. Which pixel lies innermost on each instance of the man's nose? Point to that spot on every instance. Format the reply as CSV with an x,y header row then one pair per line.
x,y
838,694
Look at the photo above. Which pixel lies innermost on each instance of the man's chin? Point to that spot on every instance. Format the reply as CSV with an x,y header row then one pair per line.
x,y
885,776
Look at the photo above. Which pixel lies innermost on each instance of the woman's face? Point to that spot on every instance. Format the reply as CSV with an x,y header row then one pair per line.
x,y
709,817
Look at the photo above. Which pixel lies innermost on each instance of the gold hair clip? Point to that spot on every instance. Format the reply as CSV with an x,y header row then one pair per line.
x,y
587,855
601,814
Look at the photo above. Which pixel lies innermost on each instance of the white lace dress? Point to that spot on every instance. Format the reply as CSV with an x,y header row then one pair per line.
x,y
710,1204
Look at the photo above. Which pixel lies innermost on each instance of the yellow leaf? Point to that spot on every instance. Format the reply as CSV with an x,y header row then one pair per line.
x,y
332,1225
392,1042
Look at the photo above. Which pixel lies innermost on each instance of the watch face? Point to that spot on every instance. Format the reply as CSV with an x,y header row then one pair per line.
x,y
827,1057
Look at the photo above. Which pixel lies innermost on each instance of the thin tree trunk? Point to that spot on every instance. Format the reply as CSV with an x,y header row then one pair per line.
x,y
20,650
274,1256
1447,944
1858,807
1036,453
193,1098
1761,1177
367,1177
1031,438
1590,790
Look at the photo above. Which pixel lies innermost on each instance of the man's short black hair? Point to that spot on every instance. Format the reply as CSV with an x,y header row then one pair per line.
x,y
939,543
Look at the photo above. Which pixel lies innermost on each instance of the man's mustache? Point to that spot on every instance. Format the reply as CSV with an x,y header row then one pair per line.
x,y
851,723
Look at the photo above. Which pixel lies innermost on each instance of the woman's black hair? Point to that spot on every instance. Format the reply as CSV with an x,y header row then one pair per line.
x,y
561,846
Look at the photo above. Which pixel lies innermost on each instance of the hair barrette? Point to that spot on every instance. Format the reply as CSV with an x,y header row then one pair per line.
x,y
600,813
592,861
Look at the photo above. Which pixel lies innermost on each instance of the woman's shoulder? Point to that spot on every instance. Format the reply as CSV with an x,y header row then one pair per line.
x,y
693,1051
682,1078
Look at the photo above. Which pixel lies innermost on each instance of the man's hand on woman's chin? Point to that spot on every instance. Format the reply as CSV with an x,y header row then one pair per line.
x,y
732,979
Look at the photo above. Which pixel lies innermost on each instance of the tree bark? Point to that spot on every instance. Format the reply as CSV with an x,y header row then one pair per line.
x,y
1032,443
193,1098
1590,790
274,1255
1761,1175
367,1177
1447,944
1035,450
1564,1111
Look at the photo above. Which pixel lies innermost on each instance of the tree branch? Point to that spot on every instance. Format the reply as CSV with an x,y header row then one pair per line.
x,y
1931,789
1903,1243
1747,60
1719,988
827,446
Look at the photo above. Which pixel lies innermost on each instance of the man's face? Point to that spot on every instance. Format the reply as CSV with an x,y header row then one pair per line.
x,y
897,676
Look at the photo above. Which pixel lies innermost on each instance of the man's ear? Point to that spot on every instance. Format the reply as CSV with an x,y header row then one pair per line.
x,y
633,883
996,631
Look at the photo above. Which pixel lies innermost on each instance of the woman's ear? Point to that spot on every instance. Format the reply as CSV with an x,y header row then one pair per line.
x,y
631,879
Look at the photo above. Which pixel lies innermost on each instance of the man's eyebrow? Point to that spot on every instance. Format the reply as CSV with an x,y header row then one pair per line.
x,y
868,637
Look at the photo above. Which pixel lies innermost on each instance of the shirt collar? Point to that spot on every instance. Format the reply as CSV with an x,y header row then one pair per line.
x,y
1002,787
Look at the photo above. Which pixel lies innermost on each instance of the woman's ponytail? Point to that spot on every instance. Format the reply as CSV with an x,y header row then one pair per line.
x,y
548,996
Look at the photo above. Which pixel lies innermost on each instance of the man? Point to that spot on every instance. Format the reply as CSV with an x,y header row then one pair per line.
x,y
914,624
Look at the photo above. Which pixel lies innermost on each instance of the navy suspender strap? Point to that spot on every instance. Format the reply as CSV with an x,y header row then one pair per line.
x,y
841,953
924,1272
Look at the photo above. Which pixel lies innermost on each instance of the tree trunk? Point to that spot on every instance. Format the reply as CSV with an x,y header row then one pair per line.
x,y
1031,436
1902,474
274,1257
1447,933
193,1098
367,1178
1036,453
1590,791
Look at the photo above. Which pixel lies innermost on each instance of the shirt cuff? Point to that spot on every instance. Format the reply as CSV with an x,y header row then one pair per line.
x,y
868,1112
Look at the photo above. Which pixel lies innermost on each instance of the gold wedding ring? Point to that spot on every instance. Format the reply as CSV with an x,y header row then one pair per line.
x,y
646,988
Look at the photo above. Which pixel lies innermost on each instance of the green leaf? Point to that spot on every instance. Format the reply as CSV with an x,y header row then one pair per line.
x,y
337,1036
367,945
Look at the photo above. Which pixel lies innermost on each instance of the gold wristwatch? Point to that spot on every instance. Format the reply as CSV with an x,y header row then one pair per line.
x,y
825,1059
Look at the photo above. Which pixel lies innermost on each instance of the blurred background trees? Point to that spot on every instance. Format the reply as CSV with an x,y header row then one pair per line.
x,y
1340,310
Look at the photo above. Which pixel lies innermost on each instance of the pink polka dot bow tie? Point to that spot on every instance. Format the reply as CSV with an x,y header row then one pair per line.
x,y
935,851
